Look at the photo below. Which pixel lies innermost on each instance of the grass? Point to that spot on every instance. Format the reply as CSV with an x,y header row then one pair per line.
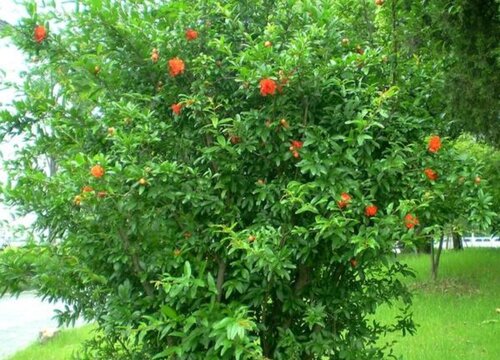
x,y
457,315
61,347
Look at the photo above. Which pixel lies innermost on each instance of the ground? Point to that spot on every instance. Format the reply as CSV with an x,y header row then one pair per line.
x,y
458,316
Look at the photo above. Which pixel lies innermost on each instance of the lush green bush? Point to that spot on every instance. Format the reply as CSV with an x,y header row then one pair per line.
x,y
230,178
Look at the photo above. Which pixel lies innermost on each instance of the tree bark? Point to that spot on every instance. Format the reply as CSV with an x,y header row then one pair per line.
x,y
220,278
136,265
457,241
435,257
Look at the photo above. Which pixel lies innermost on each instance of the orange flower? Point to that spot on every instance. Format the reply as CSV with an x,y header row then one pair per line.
x,y
295,147
411,221
40,33
87,188
191,34
176,108
267,87
434,144
155,56
102,194
431,174
345,200
371,210
353,262
97,171
176,66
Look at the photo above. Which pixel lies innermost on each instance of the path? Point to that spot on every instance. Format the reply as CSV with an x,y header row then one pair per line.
x,y
21,320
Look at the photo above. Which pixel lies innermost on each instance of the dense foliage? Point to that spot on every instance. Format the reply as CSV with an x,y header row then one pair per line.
x,y
469,36
229,178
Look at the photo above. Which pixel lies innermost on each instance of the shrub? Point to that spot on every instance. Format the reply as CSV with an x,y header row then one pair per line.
x,y
231,178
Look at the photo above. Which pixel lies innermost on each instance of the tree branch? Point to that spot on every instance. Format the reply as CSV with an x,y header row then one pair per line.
x,y
220,278
135,263
303,278
3,24
395,43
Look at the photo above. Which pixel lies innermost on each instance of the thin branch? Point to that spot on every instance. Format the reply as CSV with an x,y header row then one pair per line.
x,y
369,24
3,24
306,109
135,263
394,42
220,278
303,278
124,346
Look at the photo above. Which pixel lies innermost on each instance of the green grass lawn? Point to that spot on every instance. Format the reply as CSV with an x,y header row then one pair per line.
x,y
457,315
59,348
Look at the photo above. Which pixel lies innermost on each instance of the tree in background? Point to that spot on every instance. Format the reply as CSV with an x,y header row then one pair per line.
x,y
232,177
489,157
470,31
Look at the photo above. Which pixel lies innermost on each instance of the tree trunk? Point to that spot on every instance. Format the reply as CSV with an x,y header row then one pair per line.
x,y
435,257
457,241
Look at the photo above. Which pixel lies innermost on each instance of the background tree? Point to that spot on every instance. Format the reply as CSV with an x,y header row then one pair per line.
x,y
460,38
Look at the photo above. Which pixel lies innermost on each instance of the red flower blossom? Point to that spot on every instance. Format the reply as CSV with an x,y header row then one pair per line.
x,y
371,210
431,174
353,262
434,144
411,221
191,34
97,171
267,87
176,66
40,33
176,108
297,145
345,200
87,188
